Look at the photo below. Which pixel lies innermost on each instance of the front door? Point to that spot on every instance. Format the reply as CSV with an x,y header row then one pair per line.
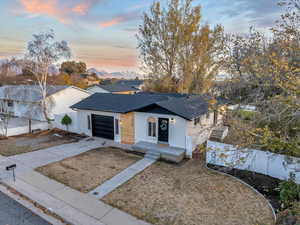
x,y
163,130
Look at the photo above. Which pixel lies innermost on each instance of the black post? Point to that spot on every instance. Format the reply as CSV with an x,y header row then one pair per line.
x,y
14,175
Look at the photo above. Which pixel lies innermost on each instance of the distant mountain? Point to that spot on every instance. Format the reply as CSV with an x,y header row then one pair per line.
x,y
118,75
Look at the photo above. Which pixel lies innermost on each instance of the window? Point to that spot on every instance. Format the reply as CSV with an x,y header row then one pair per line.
x,y
215,117
152,127
117,127
196,121
89,121
10,103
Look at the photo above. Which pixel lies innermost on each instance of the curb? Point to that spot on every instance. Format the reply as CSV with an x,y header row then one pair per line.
x,y
248,185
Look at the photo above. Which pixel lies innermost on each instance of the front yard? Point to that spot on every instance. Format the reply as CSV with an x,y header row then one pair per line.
x,y
88,170
165,194
189,194
36,141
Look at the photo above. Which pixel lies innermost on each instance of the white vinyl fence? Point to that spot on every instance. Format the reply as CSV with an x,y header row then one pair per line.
x,y
13,131
274,165
73,127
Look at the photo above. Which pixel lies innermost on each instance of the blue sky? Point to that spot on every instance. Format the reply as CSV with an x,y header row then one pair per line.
x,y
102,32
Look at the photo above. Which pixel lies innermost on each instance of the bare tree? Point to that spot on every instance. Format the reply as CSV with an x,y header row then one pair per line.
x,y
8,69
5,113
43,51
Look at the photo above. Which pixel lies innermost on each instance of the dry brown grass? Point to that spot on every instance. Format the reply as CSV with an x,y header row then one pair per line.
x,y
189,194
86,171
33,142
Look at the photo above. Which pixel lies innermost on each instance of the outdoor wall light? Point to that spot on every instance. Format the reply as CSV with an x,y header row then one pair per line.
x,y
172,121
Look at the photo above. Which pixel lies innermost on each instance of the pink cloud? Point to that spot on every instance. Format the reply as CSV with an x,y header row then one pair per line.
x,y
83,7
111,22
119,19
61,10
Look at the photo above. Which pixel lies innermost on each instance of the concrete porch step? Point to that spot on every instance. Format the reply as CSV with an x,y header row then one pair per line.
x,y
168,153
152,155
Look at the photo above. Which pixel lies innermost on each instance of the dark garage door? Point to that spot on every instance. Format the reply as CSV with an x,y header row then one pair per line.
x,y
103,126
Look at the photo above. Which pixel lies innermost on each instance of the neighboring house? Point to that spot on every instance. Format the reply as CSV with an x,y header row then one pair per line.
x,y
172,124
24,100
115,88
132,83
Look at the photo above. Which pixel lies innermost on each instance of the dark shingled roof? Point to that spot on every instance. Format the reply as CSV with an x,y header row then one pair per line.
x,y
117,87
185,106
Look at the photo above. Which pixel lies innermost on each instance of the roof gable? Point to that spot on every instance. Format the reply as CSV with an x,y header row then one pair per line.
x,y
185,106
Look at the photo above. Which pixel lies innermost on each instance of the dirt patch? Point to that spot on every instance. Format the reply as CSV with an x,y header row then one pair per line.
x,y
266,185
190,194
36,141
86,171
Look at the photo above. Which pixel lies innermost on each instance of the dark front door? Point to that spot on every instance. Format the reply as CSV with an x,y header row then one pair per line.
x,y
163,130
103,126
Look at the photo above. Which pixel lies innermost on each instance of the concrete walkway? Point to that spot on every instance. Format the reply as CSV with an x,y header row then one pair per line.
x,y
75,207
121,178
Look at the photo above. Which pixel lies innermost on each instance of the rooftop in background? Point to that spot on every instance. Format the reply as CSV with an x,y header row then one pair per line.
x,y
27,93
131,83
183,105
117,87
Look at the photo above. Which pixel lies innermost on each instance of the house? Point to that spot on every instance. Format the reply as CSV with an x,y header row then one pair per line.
x,y
171,124
25,100
132,83
115,88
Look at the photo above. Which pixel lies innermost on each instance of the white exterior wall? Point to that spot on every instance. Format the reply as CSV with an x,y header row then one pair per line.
x,y
200,132
73,127
64,99
96,89
82,120
177,131
61,102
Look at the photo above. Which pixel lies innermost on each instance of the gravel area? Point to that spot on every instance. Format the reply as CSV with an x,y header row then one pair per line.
x,y
190,194
86,171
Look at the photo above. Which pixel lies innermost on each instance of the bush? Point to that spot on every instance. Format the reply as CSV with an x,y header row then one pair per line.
x,y
289,191
66,120
246,115
290,216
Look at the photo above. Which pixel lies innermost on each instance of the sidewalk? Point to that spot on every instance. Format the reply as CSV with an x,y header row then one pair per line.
x,y
121,178
75,207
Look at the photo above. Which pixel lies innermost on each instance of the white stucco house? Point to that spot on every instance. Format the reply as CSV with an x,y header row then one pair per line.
x,y
171,124
24,101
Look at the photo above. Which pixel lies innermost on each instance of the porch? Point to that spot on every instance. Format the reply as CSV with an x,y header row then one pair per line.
x,y
165,152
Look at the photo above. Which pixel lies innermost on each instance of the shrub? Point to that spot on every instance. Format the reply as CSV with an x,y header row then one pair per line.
x,y
289,191
290,216
66,120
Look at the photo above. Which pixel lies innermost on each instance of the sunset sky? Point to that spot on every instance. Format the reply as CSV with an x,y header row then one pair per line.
x,y
102,32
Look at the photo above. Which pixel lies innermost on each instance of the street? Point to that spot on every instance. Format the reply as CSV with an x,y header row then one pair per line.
x,y
13,213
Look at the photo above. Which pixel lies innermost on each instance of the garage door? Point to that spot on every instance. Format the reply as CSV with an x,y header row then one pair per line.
x,y
103,126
